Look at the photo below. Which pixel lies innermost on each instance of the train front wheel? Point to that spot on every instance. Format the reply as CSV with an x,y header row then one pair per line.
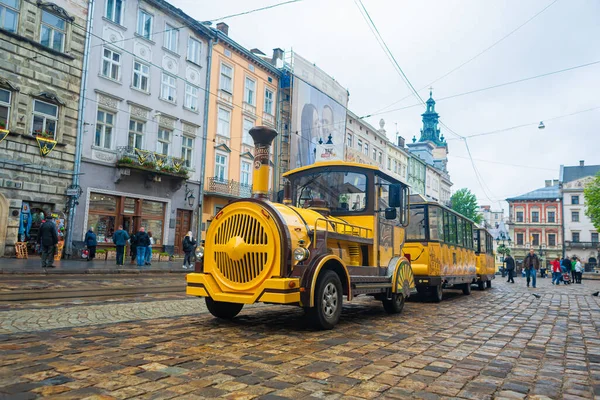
x,y
222,309
328,301
395,304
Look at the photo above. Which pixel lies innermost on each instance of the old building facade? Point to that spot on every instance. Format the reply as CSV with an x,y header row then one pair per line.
x,y
144,119
535,221
41,60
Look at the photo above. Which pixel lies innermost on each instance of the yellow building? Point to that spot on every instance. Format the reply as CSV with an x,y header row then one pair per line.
x,y
243,94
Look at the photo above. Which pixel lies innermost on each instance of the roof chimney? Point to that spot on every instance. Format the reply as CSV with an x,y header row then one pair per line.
x,y
555,182
223,27
400,141
277,55
581,163
548,183
257,52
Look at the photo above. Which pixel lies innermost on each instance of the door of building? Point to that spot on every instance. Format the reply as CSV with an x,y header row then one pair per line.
x,y
182,227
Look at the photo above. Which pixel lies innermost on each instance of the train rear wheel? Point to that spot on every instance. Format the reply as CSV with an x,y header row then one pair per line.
x,y
481,285
328,301
437,293
488,284
466,289
222,309
395,304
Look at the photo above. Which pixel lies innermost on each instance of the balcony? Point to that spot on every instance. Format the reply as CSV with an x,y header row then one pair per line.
x,y
268,119
155,164
249,109
228,188
581,245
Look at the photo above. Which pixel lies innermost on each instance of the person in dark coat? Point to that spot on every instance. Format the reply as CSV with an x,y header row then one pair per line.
x,y
189,245
120,238
91,243
510,268
48,242
142,242
531,264
133,241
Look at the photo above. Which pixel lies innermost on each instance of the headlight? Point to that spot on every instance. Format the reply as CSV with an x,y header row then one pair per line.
x,y
301,254
199,252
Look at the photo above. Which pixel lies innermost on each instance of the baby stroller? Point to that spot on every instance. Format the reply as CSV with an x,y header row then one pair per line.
x,y
566,278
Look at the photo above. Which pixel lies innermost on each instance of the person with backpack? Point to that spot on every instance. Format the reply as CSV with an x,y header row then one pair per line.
x,y
189,245
91,242
510,268
531,264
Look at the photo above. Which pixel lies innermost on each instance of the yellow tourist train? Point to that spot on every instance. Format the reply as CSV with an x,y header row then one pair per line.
x,y
440,248
486,259
339,233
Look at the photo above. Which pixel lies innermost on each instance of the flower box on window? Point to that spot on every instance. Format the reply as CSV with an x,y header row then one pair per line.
x,y
44,134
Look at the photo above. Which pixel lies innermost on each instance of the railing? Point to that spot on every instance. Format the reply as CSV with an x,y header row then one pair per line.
x,y
527,222
535,247
582,245
130,157
342,228
229,187
268,119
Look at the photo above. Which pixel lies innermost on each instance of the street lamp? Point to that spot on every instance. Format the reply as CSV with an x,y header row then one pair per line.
x,y
189,196
501,241
542,266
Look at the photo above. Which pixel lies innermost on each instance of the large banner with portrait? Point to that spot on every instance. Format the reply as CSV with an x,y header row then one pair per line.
x,y
318,126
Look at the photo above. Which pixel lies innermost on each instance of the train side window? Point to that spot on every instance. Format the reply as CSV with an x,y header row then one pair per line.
x,y
476,240
416,229
452,229
470,236
435,223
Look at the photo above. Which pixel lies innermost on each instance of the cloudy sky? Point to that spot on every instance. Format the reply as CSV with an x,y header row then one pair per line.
x,y
429,39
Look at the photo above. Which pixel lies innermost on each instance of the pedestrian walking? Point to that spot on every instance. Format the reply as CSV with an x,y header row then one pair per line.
x,y
142,242
556,271
48,241
91,243
189,245
578,271
531,265
149,249
120,238
133,252
573,272
510,268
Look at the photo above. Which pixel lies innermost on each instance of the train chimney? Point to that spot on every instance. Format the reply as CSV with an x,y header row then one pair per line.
x,y
263,137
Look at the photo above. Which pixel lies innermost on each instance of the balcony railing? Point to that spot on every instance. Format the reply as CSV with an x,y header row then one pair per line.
x,y
229,187
582,245
130,157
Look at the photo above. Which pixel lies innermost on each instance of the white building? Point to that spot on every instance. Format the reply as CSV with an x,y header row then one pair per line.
x,y
491,218
433,180
364,144
397,159
581,237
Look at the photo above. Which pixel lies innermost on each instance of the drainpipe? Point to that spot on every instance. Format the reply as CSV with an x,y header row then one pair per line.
x,y
204,140
80,124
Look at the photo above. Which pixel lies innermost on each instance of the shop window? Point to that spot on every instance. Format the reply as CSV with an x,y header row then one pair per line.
x,y
129,206
102,216
153,209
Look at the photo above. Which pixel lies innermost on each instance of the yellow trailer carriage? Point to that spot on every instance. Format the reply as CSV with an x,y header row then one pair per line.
x,y
338,234
439,246
486,259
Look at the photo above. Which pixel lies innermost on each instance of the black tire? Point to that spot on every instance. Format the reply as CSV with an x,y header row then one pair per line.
x,y
466,289
222,309
328,301
395,304
481,285
437,293
488,284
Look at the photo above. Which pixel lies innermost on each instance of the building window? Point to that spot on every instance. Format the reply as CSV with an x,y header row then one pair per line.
x,y
551,217
250,92
389,161
535,216
223,125
594,237
395,166
144,27
269,101
104,129
360,145
574,200
575,236
45,117
552,239
114,10
193,53
191,97
9,15
349,140
575,216
52,34
168,88
246,139
171,37
111,64
187,151
374,153
221,167
141,76
519,216
366,149
164,140
136,134
226,82
5,97
535,239
520,239
246,173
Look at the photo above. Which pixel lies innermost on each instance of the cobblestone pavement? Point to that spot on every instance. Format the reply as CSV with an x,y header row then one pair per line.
x,y
501,343
20,283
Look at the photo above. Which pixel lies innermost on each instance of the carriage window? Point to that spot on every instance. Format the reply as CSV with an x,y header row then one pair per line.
x,y
461,231
417,225
476,240
469,235
436,225
452,237
341,192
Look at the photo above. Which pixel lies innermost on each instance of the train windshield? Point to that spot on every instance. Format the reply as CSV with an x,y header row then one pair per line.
x,y
341,192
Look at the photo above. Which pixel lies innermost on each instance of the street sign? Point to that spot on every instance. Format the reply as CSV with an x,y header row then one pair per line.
x,y
72,192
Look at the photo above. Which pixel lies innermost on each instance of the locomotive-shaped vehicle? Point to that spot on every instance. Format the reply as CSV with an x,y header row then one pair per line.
x,y
339,233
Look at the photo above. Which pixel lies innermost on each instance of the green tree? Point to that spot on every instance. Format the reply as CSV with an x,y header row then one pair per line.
x,y
464,202
504,250
592,201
